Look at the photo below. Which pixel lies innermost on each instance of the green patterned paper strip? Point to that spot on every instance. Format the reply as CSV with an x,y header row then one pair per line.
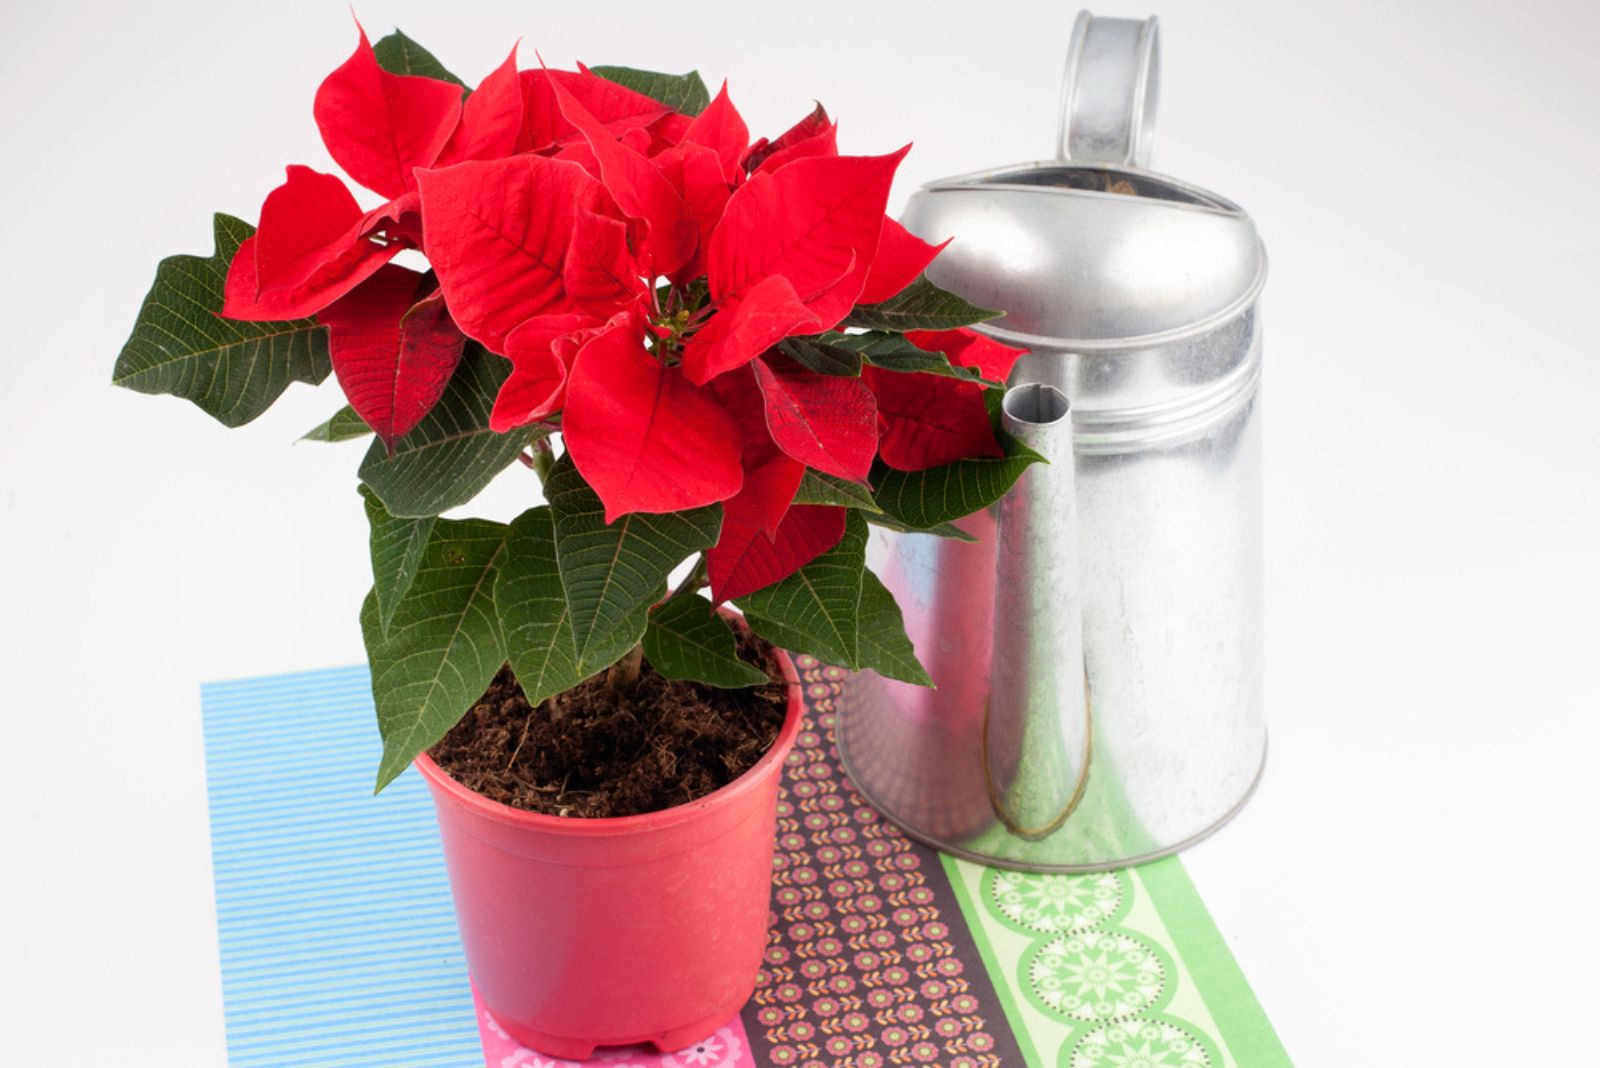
x,y
1112,968
1244,1025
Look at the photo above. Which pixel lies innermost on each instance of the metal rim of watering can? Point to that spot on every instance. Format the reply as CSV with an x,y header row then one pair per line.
x,y
1109,91
1023,178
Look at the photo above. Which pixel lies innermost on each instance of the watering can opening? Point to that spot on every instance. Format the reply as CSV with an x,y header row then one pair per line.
x,y
1036,404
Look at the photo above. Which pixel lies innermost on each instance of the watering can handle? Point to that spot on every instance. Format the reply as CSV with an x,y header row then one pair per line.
x,y
1108,93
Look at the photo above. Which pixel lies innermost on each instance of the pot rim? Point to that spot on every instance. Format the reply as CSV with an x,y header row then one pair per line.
x,y
612,826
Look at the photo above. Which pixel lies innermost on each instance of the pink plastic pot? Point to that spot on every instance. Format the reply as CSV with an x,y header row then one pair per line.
x,y
596,932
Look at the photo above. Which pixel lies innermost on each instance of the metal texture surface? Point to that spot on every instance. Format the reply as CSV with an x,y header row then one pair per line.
x,y
1036,742
1138,296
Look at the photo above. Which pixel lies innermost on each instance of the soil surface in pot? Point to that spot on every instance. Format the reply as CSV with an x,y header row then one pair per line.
x,y
595,751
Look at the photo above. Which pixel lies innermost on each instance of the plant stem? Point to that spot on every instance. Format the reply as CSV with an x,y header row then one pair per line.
x,y
695,579
544,459
624,674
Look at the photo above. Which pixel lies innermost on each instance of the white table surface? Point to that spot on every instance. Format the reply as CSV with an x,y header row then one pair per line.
x,y
1411,885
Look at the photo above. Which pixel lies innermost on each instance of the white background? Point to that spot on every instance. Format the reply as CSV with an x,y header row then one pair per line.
x,y
1412,883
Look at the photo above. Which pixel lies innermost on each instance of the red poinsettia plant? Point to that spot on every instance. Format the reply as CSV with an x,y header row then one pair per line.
x,y
738,351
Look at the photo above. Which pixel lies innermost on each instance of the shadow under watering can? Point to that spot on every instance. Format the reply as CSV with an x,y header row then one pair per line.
x,y
1097,649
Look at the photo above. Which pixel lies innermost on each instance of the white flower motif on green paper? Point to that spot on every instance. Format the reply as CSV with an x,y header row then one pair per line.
x,y
1051,904
1142,1044
1096,975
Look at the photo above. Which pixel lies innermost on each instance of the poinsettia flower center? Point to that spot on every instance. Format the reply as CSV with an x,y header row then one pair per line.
x,y
683,313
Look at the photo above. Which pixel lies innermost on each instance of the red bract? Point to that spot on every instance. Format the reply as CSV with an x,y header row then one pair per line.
x,y
929,420
789,254
641,434
540,351
600,271
902,256
308,252
815,221
747,557
813,135
491,118
744,329
720,128
696,172
616,108
824,422
670,234
393,349
498,234
746,560
639,268
380,126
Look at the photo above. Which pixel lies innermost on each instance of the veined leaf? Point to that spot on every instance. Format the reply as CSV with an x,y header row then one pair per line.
x,y
681,92
814,610
925,500
834,353
399,54
612,574
532,608
907,358
233,371
452,454
397,547
920,306
444,644
817,487
884,645
943,530
686,639
343,425
823,355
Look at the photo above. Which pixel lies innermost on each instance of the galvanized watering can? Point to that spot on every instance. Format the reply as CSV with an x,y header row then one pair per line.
x,y
1098,649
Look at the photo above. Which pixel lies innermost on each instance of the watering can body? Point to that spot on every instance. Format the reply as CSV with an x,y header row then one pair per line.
x,y
1097,650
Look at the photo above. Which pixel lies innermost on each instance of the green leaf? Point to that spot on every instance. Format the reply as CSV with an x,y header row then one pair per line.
x,y
924,500
399,54
613,574
397,548
532,607
681,92
817,487
444,644
449,457
943,530
920,306
814,610
842,355
895,353
343,425
884,645
181,345
823,354
686,639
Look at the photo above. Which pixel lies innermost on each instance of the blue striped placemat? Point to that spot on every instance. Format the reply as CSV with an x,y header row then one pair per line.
x,y
339,944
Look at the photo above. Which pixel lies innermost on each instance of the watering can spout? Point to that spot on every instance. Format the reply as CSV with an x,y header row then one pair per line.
x,y
1037,735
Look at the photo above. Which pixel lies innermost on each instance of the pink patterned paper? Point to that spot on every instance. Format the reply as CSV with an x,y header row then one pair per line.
x,y
728,1048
